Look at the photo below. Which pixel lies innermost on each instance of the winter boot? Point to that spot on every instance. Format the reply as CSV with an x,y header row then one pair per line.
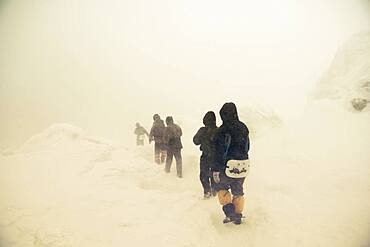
x,y
214,193
207,195
237,220
229,210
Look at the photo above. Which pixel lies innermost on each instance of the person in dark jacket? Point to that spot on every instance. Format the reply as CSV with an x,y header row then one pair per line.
x,y
205,137
156,135
140,133
232,143
172,140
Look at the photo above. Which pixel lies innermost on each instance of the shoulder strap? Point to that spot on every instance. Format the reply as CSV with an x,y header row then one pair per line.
x,y
227,142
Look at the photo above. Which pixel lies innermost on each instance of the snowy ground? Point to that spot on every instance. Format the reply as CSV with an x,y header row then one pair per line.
x,y
309,186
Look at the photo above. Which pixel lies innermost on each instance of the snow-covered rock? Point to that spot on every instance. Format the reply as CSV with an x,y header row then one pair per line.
x,y
348,76
61,137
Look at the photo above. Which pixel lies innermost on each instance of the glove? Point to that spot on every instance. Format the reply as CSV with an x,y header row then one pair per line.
x,y
216,177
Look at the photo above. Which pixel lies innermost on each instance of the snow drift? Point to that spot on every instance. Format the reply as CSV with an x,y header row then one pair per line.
x,y
306,188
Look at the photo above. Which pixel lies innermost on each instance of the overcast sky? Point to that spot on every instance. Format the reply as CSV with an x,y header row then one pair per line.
x,y
104,65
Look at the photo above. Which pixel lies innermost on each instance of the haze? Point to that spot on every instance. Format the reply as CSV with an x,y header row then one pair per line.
x,y
104,65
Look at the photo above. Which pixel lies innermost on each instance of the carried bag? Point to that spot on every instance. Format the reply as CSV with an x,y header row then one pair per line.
x,y
237,168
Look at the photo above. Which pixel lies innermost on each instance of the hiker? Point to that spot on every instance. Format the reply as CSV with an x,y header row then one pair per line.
x,y
172,140
140,133
156,135
205,137
231,163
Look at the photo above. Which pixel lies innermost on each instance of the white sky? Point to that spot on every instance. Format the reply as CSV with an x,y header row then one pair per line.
x,y
103,65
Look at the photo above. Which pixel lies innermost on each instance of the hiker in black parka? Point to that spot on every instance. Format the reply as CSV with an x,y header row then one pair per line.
x,y
157,135
140,133
205,138
232,143
172,140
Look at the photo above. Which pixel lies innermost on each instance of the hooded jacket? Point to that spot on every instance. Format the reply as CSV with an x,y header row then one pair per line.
x,y
205,136
157,131
236,132
172,135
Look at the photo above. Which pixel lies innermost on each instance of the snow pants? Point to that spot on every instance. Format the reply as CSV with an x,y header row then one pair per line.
x,y
205,175
159,153
177,154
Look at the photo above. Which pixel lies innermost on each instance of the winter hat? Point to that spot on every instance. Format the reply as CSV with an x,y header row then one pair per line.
x,y
229,113
209,119
169,120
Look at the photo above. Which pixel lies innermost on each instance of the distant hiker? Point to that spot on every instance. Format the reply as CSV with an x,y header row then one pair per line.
x,y
172,139
156,135
205,138
231,163
140,133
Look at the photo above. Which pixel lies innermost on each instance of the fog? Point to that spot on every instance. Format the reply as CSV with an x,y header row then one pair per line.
x,y
105,65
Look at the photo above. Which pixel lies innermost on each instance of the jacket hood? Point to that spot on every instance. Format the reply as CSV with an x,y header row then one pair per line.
x,y
156,117
209,119
169,120
229,113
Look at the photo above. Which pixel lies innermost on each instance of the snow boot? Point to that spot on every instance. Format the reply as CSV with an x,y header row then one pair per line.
x,y
207,195
214,193
229,210
237,220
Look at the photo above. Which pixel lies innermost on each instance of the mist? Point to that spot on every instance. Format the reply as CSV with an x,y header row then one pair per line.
x,y
103,66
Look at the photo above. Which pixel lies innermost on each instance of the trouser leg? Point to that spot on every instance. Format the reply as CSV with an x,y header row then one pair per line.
x,y
238,198
204,177
157,152
178,158
169,160
163,153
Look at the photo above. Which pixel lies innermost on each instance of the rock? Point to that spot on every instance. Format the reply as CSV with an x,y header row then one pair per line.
x,y
359,104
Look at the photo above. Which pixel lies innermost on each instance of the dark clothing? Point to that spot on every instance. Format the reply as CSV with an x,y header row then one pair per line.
x,y
226,183
157,134
172,140
205,176
159,153
205,138
157,131
172,137
140,132
177,154
233,131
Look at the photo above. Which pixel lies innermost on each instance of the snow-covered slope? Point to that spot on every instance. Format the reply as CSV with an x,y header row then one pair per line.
x,y
306,188
259,118
348,76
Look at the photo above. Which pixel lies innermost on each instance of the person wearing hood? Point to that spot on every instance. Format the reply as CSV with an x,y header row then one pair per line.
x,y
205,137
172,140
140,133
231,164
156,135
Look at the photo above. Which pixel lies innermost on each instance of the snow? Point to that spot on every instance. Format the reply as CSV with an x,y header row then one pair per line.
x,y
309,186
348,76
